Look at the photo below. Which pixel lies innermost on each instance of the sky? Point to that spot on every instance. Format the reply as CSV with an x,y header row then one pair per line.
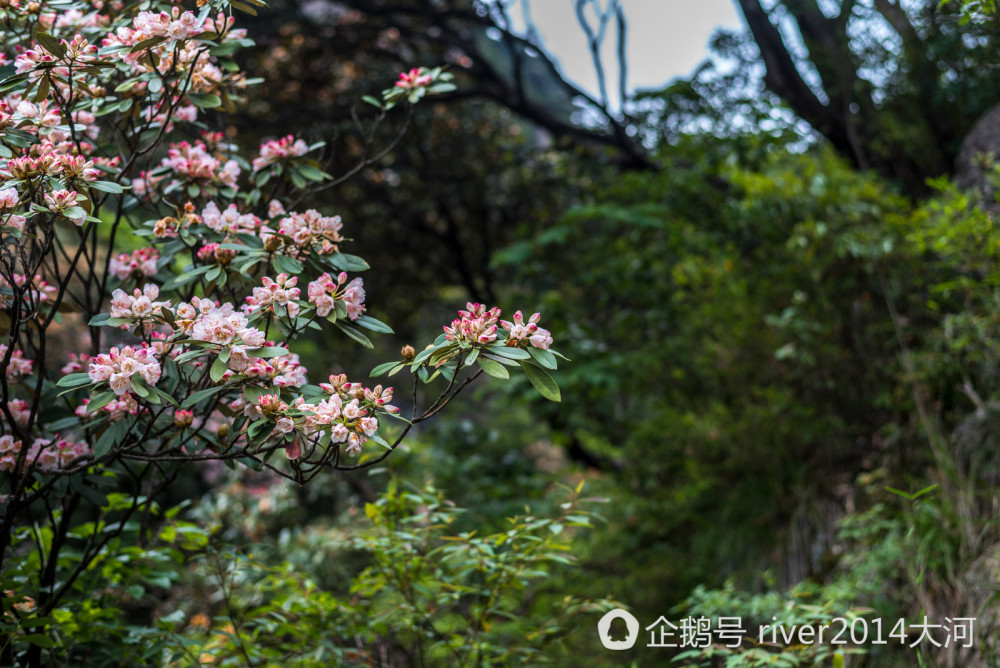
x,y
665,38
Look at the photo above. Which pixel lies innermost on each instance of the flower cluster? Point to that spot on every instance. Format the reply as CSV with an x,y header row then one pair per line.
x,y
276,150
114,410
45,454
281,291
324,293
415,78
76,363
205,320
140,304
476,325
312,230
38,290
282,371
139,263
213,254
519,332
189,164
19,367
147,25
118,367
348,413
230,220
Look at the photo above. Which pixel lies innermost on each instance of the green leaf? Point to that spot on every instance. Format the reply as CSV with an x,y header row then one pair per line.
x,y
502,360
218,370
347,262
138,386
288,265
253,393
511,353
382,368
201,395
147,43
271,351
112,435
313,173
374,325
99,320
356,335
107,186
492,368
542,381
543,357
52,45
74,380
204,100
39,639
163,395
99,400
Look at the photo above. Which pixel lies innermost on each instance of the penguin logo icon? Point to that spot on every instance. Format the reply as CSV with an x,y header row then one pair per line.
x,y
608,635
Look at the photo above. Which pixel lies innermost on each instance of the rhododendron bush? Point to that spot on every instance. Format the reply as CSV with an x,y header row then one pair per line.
x,y
153,282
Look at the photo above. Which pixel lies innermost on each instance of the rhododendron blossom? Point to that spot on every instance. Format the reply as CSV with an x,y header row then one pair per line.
x,y
276,150
140,304
520,331
281,290
44,454
313,231
415,78
138,263
476,325
323,293
118,366
18,367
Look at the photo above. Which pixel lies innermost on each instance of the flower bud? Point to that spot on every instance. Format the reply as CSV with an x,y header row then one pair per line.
x,y
223,430
408,353
183,418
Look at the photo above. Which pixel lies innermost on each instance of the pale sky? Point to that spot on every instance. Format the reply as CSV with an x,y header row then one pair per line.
x,y
666,38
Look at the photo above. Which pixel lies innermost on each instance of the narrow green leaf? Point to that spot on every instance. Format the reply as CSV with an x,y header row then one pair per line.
x,y
74,380
511,353
271,351
542,381
107,186
201,395
356,335
382,368
374,325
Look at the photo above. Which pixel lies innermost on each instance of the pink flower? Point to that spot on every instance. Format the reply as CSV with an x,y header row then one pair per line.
x,y
476,325
324,293
415,78
520,331
276,150
281,290
119,365
138,263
